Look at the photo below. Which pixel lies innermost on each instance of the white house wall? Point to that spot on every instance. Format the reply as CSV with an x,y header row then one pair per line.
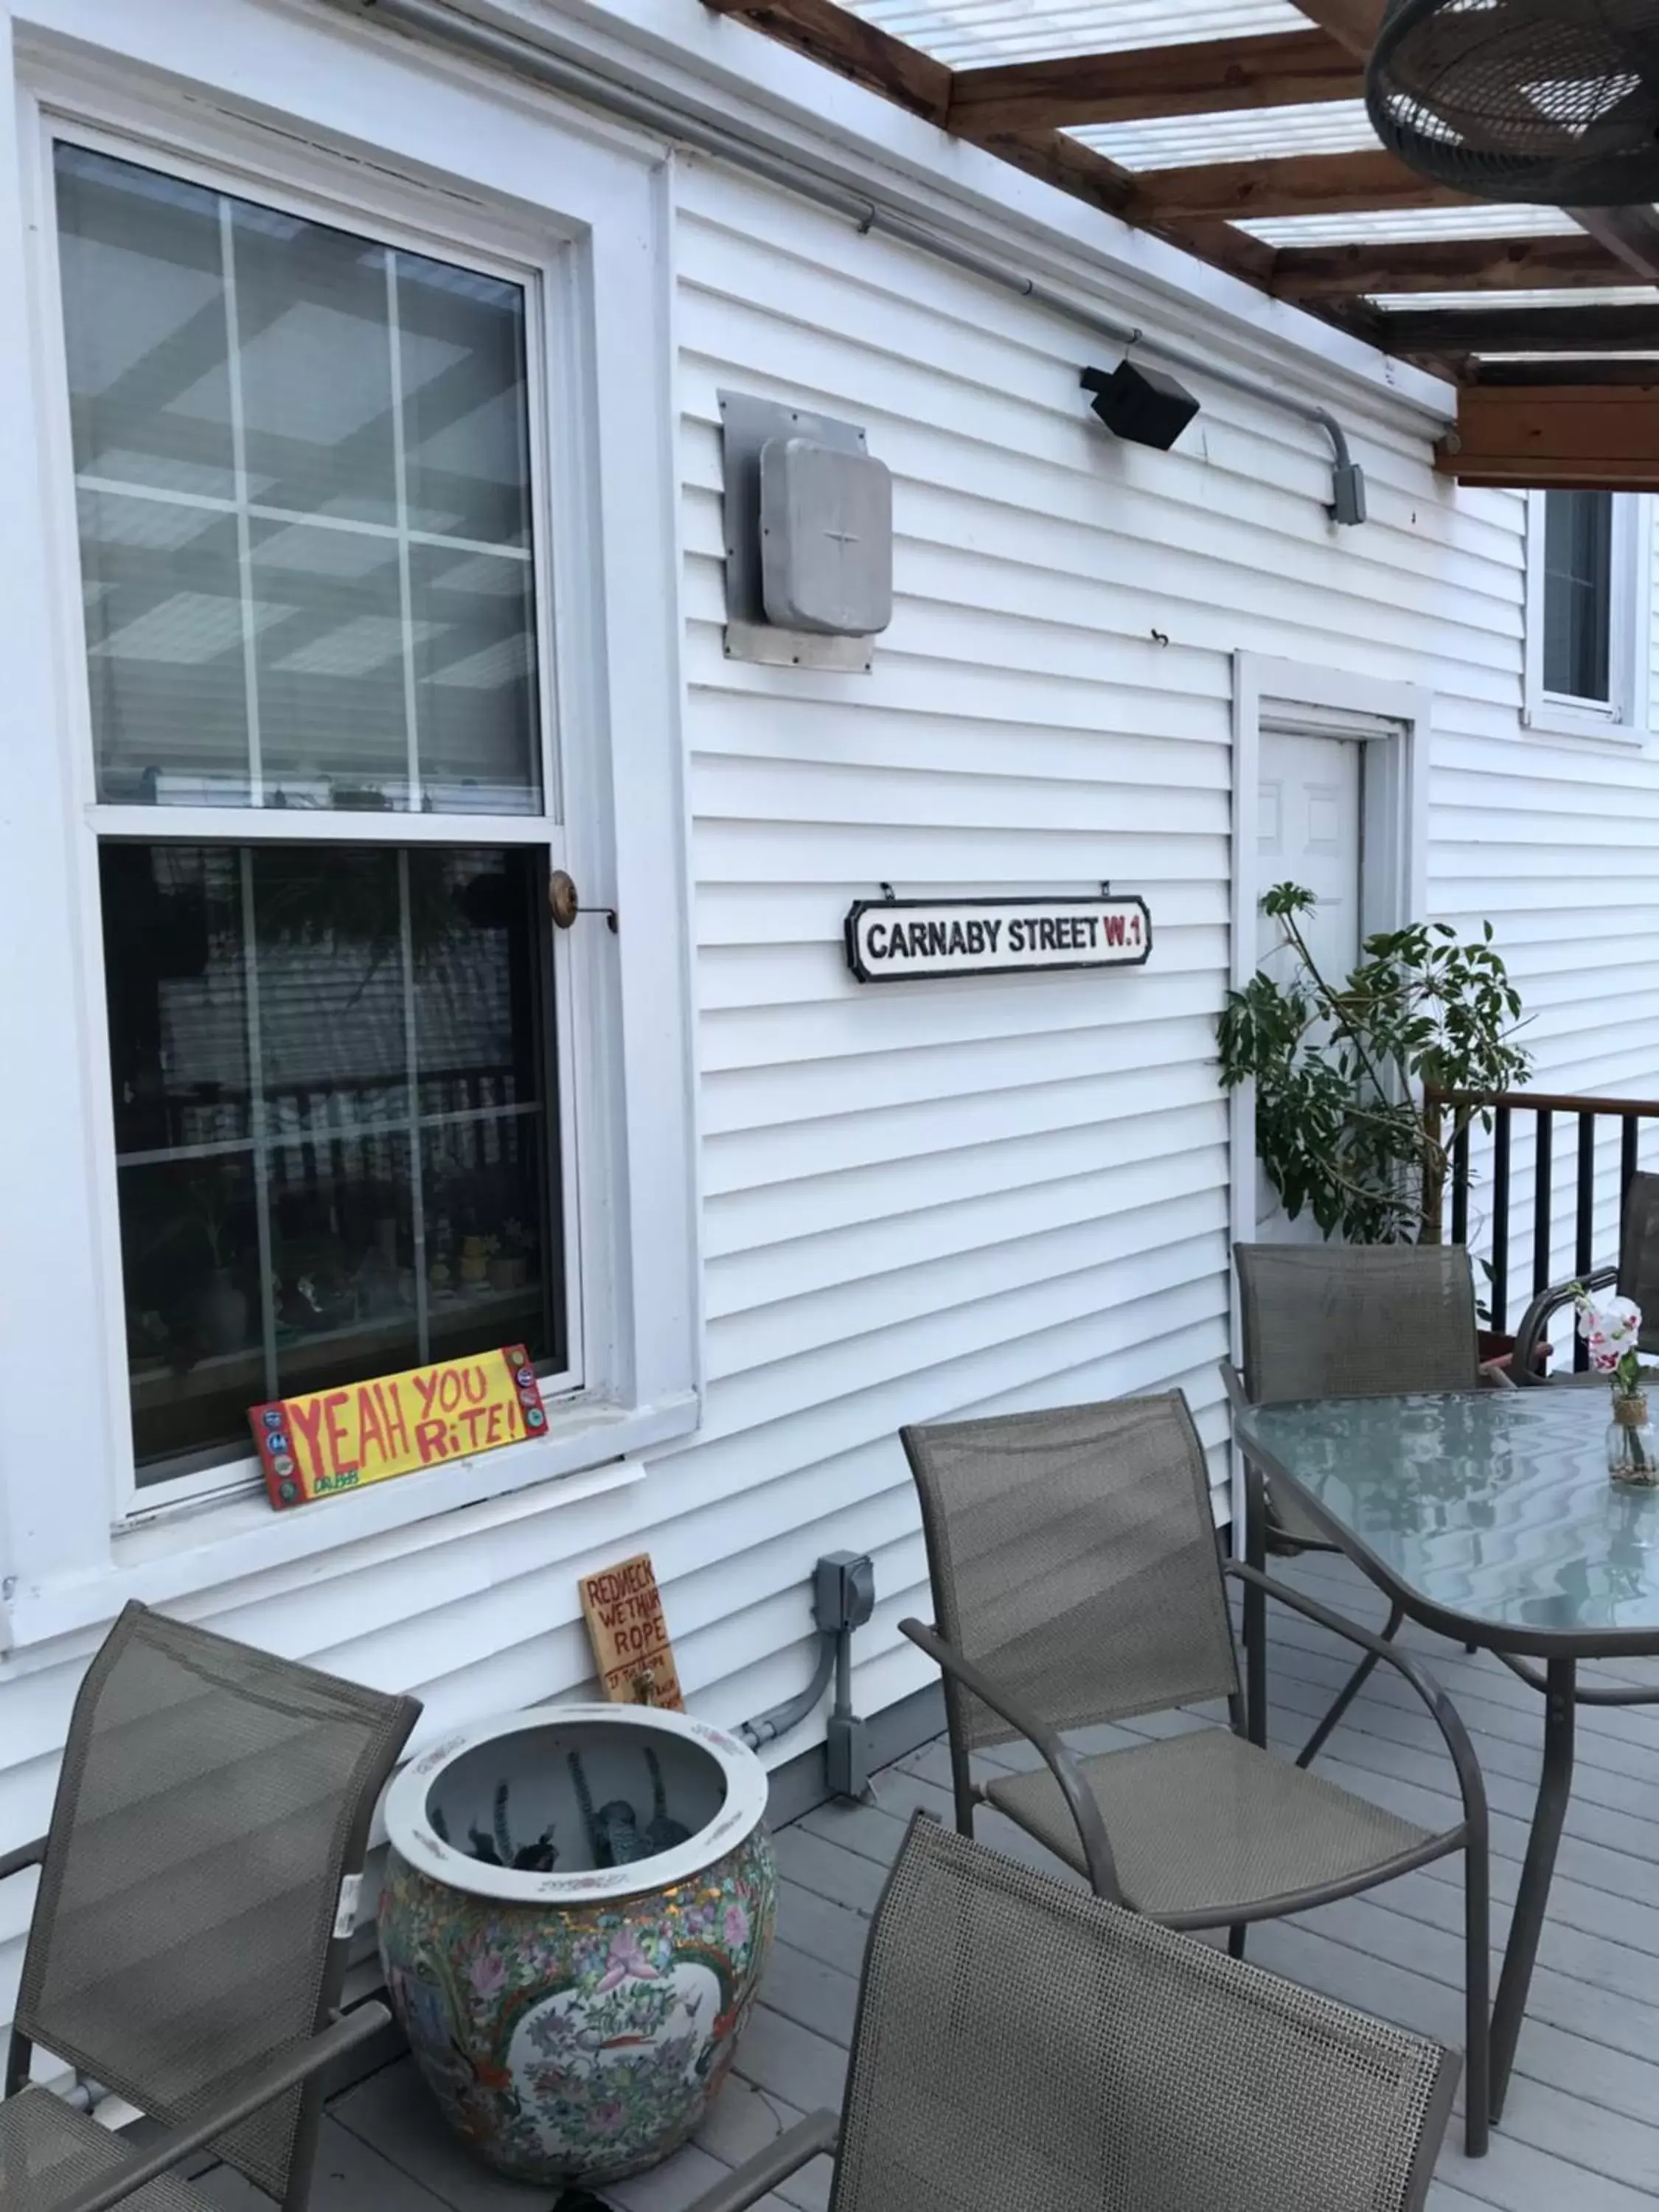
x,y
986,1196
1555,841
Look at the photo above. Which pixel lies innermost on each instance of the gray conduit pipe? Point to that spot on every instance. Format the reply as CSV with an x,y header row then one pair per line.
x,y
778,1720
526,57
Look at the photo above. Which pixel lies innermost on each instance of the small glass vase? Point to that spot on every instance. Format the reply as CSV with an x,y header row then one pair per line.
x,y
1632,1447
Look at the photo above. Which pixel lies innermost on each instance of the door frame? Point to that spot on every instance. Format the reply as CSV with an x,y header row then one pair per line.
x,y
1393,721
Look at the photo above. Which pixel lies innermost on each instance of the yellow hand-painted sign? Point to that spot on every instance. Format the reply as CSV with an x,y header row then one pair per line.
x,y
335,1440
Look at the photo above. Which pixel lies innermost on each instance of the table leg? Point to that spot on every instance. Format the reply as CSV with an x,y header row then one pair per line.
x,y
1255,1606
1532,1900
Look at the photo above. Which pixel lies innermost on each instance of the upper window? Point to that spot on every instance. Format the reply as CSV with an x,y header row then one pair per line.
x,y
1578,595
303,474
1588,619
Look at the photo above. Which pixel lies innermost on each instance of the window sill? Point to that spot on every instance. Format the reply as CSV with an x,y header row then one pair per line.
x,y
1550,719
587,1450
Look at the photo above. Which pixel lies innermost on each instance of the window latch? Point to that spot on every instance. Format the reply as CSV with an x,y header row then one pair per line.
x,y
566,906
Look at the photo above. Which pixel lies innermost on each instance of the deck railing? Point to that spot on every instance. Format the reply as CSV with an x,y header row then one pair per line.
x,y
1590,1116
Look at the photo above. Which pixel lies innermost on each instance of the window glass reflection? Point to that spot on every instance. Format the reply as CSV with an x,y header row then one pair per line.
x,y
333,1126
302,459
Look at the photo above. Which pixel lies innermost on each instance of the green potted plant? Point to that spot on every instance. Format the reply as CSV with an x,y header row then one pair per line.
x,y
1349,1075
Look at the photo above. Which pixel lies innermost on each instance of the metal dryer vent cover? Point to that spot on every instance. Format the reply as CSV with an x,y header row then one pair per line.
x,y
826,520
808,537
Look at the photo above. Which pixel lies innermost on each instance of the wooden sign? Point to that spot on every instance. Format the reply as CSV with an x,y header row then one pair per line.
x,y
338,1440
913,940
629,1635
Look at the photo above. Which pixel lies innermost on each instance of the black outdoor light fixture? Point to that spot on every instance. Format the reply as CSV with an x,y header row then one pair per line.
x,y
1145,406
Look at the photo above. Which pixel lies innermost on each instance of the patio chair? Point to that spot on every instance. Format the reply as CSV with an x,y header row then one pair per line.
x,y
193,1917
1076,1581
1351,1321
1020,2044
1636,1276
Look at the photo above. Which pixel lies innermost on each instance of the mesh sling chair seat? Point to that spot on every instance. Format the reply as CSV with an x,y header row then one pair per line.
x,y
1077,1582
1021,2047
49,2153
190,1934
1636,1276
1199,1821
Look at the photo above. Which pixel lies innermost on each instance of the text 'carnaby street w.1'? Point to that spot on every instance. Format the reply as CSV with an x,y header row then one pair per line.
x,y
913,940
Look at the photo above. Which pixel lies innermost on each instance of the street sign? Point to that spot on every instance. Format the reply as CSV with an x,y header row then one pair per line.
x,y
916,940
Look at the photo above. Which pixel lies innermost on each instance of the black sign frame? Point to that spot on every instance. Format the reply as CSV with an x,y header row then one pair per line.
x,y
966,909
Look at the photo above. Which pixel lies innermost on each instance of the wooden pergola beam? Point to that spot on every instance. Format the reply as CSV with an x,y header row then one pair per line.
x,y
856,49
1445,333
1630,232
1302,184
1015,112
1583,437
1542,372
873,58
1352,23
1090,176
1283,69
1449,264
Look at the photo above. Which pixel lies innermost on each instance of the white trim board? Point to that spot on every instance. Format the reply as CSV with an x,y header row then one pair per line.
x,y
1394,720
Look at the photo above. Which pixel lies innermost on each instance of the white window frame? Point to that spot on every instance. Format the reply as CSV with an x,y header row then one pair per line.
x,y
80,1536
1624,717
252,825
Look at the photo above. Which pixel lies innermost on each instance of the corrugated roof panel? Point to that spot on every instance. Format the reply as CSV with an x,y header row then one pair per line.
x,y
1412,227
975,33
1177,141
1578,296
1591,361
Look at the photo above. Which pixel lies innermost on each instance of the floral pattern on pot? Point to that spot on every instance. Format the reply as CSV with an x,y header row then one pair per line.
x,y
579,2042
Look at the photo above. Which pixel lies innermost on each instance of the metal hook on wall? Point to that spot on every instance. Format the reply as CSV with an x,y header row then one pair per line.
x,y
565,905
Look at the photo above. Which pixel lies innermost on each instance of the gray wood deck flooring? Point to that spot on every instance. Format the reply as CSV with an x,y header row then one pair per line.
x,y
1581,2133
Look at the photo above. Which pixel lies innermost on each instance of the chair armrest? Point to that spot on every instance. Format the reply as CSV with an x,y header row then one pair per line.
x,y
26,1855
283,2072
1061,1758
1446,1717
1530,1334
816,2136
1238,1399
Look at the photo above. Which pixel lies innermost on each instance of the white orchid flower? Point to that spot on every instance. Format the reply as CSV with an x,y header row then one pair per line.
x,y
1610,1325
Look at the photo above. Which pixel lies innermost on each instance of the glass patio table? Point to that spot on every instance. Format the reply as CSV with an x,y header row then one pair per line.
x,y
1488,1516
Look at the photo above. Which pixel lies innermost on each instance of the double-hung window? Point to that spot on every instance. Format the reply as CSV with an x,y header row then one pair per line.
x,y
317,1090
303,472
1587,613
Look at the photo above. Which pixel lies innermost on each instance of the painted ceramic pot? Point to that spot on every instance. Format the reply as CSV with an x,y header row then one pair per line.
x,y
578,1904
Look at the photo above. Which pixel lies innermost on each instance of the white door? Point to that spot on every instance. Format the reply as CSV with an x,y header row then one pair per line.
x,y
1309,825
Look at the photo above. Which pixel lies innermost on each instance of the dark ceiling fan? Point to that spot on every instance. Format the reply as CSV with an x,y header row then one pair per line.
x,y
1550,100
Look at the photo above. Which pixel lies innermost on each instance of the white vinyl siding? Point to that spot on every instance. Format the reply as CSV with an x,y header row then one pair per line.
x,y
1555,840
